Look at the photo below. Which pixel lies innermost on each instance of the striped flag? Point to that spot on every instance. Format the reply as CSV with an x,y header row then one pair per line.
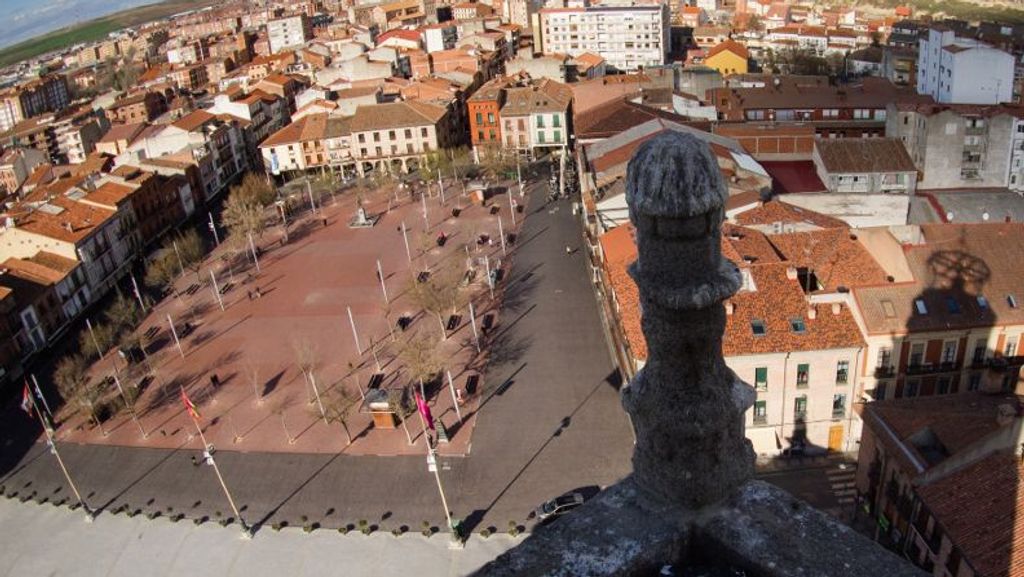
x,y
424,409
190,407
26,400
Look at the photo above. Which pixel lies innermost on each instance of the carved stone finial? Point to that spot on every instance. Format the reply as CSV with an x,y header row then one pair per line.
x,y
686,405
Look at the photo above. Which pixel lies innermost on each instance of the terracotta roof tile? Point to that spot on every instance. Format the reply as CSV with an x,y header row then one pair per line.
x,y
846,155
731,46
835,257
777,211
981,510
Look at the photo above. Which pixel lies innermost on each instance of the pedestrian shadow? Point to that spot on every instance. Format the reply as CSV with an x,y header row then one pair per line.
x,y
272,382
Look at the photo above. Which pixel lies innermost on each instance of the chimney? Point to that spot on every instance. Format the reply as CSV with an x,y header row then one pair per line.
x,y
68,227
730,307
837,308
812,312
791,273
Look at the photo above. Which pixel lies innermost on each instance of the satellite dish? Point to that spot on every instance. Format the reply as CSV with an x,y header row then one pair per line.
x,y
984,216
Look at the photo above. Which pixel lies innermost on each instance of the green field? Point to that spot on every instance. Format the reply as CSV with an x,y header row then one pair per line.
x,y
96,29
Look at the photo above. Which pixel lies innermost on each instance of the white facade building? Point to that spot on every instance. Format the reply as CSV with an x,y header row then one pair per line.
x,y
438,37
627,37
288,32
963,71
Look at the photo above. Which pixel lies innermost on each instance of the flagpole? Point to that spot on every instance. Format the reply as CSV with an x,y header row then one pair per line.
x,y
209,457
174,333
39,392
472,322
60,461
127,405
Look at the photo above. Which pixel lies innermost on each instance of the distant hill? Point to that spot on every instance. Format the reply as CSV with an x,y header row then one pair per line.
x,y
96,29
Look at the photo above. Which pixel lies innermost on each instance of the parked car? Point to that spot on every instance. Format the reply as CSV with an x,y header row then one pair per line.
x,y
558,506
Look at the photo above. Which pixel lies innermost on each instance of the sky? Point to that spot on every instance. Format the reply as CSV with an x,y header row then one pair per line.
x,y
28,18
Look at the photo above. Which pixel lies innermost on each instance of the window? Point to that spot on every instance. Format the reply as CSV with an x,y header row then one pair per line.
x,y
982,301
479,134
1011,301
1010,349
761,378
556,121
376,137
423,132
838,405
974,382
760,411
949,352
952,306
797,325
800,408
408,133
942,385
479,118
980,350
910,390
916,354
803,374
362,138
490,118
842,372
540,121
540,138
879,394
391,135
758,327
884,357
920,307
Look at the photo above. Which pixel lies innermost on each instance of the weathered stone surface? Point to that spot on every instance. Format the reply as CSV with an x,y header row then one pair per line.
x,y
612,535
686,405
767,532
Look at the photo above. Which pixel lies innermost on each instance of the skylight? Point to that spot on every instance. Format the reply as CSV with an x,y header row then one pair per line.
x,y
1012,301
758,327
952,306
921,308
890,311
797,325
982,303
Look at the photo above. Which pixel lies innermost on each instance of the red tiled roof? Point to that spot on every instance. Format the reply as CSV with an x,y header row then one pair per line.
x,y
981,510
794,176
835,257
777,211
731,46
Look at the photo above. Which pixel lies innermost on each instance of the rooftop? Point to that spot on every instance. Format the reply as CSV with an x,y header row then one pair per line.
x,y
860,155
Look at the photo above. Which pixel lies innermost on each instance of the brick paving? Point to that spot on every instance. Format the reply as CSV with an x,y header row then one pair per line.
x,y
549,421
307,287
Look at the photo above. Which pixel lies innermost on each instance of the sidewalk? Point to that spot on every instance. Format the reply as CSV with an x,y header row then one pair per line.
x,y
115,545
772,464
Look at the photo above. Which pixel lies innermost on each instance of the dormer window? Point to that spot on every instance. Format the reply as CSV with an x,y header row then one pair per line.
x,y
798,326
1012,301
982,302
920,307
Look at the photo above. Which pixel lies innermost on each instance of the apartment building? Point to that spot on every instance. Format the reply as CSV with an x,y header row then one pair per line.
x,y
627,37
939,479
16,164
396,137
208,150
45,292
289,32
47,94
441,36
60,219
836,111
139,107
962,70
484,111
962,146
259,113
790,332
536,117
950,320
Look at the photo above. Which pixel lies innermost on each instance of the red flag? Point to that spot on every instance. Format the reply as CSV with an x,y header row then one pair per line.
x,y
421,404
26,400
190,407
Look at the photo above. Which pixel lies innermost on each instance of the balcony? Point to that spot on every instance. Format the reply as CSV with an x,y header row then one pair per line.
x,y
838,413
931,368
842,378
760,419
1002,364
885,372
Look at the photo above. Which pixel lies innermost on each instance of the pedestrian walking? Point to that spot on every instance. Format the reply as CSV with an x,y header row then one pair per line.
x,y
568,249
195,462
250,294
259,293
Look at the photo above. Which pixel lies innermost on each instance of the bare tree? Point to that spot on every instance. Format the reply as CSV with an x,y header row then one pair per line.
x,y
242,217
252,372
419,356
74,385
122,314
280,408
102,336
307,358
191,250
162,271
339,404
437,294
